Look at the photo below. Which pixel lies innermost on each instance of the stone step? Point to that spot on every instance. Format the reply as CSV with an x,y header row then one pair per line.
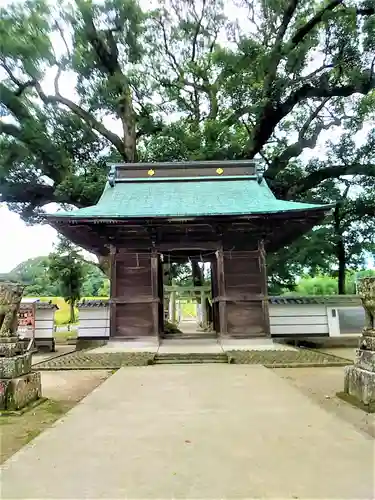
x,y
190,358
190,336
187,362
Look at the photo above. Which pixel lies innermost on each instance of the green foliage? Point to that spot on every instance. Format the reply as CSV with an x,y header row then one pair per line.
x,y
188,81
62,314
327,285
67,269
104,289
35,275
320,285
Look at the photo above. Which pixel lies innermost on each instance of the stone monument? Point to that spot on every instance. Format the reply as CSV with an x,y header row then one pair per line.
x,y
18,385
360,377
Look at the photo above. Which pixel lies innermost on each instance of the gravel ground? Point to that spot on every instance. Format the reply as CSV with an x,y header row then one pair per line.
x,y
205,432
341,352
321,385
64,390
72,385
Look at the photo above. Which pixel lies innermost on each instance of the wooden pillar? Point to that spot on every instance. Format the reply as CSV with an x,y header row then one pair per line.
x,y
214,293
161,295
203,309
264,285
222,292
113,292
155,291
172,305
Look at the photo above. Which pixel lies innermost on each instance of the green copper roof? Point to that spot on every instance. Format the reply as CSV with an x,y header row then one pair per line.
x,y
186,197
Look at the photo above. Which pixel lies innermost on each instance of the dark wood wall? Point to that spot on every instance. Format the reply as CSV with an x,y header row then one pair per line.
x,y
239,293
135,295
242,297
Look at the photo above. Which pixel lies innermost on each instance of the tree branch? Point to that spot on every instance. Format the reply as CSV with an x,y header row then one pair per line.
x,y
332,172
60,30
272,114
22,86
197,30
365,11
87,117
105,47
9,129
32,133
314,73
276,53
293,150
314,21
170,54
26,192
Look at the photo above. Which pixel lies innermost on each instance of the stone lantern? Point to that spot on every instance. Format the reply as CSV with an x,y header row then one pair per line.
x,y
19,386
360,377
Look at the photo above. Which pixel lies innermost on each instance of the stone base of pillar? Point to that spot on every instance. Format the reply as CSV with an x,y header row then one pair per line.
x,y
16,393
360,384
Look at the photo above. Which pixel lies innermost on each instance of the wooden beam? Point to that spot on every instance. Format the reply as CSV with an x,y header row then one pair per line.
x,y
177,288
113,292
135,300
244,297
222,292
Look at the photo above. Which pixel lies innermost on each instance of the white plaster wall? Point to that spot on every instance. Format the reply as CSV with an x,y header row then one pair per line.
x,y
298,319
44,325
93,322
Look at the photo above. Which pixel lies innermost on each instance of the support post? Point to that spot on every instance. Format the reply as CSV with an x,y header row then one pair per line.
x,y
172,305
113,291
203,309
264,287
155,291
222,292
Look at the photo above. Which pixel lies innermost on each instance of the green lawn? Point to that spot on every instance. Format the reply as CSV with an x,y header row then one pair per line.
x,y
63,312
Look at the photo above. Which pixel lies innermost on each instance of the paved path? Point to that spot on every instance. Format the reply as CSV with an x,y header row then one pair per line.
x,y
209,431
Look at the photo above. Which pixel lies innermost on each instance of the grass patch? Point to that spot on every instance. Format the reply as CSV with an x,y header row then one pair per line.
x,y
62,315
286,359
81,360
63,336
85,360
23,428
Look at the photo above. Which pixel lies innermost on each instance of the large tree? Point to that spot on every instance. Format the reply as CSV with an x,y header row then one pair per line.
x,y
94,81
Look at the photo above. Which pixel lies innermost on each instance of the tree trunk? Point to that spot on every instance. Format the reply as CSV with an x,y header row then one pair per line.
x,y
341,256
197,273
72,313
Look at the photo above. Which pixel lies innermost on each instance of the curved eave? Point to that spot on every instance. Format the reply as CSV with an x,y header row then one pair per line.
x,y
119,219
280,229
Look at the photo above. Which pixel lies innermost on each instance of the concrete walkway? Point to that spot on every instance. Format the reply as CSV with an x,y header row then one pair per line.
x,y
183,346
202,432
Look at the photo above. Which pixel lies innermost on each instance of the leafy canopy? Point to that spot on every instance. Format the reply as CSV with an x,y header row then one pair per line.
x,y
88,82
